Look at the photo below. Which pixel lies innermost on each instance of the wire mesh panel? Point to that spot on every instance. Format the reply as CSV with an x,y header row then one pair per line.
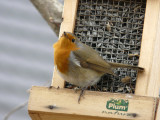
x,y
114,29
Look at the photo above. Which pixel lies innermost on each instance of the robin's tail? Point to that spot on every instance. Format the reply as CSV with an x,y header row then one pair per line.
x,y
116,65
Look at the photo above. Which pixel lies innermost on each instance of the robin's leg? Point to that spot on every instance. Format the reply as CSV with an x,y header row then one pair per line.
x,y
81,94
78,88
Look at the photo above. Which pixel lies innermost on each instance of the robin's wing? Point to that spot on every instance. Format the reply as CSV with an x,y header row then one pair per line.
x,y
89,58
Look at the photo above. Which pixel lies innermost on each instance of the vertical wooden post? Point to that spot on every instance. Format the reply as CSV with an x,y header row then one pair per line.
x,y
148,83
69,15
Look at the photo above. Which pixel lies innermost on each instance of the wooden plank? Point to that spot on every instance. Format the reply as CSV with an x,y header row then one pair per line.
x,y
69,15
148,83
35,116
70,117
158,111
97,105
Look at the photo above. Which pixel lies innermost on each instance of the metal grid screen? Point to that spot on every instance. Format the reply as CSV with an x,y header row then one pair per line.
x,y
114,29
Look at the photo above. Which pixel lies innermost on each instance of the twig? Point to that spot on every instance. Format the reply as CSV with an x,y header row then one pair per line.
x,y
21,105
15,109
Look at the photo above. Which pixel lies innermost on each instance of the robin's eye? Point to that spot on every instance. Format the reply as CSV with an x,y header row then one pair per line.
x,y
73,40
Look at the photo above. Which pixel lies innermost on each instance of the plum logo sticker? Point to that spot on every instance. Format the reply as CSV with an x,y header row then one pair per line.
x,y
117,104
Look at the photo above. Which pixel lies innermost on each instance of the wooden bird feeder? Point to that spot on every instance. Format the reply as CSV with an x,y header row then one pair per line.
x,y
60,104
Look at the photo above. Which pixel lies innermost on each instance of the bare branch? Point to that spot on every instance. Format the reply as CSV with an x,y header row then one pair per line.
x,y
51,10
15,109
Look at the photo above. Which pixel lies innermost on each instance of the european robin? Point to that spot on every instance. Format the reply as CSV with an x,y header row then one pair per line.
x,y
81,65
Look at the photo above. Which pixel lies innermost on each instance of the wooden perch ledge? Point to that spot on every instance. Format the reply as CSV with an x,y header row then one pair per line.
x,y
59,104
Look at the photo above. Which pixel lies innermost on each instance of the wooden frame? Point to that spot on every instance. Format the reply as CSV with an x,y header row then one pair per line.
x,y
148,83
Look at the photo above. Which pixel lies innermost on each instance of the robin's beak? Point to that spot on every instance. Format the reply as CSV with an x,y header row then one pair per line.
x,y
65,34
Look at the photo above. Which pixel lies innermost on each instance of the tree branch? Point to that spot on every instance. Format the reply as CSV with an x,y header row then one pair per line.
x,y
51,10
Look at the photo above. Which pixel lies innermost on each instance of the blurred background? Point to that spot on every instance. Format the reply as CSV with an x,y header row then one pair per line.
x,y
26,54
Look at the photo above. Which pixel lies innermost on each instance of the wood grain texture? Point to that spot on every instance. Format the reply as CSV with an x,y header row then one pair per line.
x,y
93,105
71,117
35,116
158,111
69,15
148,83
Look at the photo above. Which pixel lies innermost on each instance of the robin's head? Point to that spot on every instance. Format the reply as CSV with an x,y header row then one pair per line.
x,y
67,41
71,37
